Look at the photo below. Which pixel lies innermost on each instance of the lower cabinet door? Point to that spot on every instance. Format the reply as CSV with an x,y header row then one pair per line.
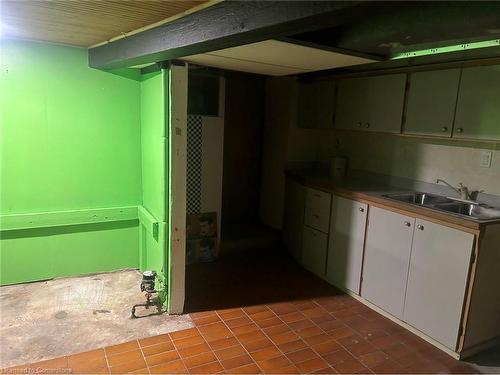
x,y
345,247
387,254
437,280
293,218
314,245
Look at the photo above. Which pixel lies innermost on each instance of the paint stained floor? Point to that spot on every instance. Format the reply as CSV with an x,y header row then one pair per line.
x,y
49,319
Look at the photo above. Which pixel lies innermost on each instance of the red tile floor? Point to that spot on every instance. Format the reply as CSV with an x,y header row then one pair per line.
x,y
260,313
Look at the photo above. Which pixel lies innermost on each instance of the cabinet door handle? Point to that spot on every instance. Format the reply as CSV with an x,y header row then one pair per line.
x,y
361,209
367,125
316,216
460,130
407,223
444,129
420,226
359,124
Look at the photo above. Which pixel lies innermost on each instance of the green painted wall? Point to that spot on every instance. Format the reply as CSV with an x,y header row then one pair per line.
x,y
154,146
70,139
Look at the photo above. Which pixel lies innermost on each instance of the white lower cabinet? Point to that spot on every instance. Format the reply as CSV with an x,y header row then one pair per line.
x,y
387,254
314,245
293,218
437,280
317,209
413,269
345,247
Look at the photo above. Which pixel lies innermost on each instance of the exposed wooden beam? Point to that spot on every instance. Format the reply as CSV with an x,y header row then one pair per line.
x,y
224,25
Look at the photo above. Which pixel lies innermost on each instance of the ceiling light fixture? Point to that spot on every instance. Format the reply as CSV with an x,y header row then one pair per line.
x,y
447,49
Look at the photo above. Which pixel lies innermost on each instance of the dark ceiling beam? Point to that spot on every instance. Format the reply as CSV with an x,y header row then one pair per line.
x,y
224,25
402,26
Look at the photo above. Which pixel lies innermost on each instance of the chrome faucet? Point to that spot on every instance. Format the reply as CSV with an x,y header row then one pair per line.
x,y
462,190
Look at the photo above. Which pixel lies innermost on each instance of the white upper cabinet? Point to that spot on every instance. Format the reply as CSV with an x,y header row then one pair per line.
x,y
478,105
371,103
431,101
315,104
345,247
387,254
437,280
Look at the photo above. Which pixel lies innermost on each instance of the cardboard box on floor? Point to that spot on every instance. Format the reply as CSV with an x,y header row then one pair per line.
x,y
202,245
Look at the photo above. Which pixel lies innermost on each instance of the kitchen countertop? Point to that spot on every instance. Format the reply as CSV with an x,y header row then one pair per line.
x,y
370,191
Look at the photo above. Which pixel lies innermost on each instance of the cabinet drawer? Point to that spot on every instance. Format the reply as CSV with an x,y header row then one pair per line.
x,y
317,210
314,248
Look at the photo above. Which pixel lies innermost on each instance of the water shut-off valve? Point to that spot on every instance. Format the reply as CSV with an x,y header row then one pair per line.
x,y
148,287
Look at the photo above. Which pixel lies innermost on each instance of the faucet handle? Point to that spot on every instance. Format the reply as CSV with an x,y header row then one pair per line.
x,y
474,193
464,191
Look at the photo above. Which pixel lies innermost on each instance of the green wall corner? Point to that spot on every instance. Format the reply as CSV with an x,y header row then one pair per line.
x,y
70,159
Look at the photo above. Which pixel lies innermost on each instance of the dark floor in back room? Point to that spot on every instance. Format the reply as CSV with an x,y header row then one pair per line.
x,y
259,312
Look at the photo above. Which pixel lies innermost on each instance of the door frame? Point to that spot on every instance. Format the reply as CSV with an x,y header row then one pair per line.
x,y
176,103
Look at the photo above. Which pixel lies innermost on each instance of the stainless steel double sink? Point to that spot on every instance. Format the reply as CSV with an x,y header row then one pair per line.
x,y
471,210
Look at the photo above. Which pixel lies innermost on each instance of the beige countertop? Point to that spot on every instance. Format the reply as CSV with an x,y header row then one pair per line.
x,y
370,191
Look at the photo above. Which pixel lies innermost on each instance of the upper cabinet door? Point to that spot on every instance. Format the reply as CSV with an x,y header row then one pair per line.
x,y
315,104
371,103
437,280
478,105
431,102
351,93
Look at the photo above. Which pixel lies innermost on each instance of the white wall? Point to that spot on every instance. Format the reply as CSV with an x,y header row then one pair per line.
x,y
212,165
416,158
283,142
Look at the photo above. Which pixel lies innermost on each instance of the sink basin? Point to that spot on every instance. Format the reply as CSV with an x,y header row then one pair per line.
x,y
457,208
472,210
475,211
423,199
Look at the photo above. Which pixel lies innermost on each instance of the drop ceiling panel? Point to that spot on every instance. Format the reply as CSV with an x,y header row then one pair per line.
x,y
291,55
273,57
241,65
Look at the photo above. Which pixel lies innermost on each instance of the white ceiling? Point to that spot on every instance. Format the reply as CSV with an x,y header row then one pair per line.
x,y
275,58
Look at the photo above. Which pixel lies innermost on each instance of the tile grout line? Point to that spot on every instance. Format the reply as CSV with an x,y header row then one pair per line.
x,y
126,351
106,358
177,350
300,338
144,357
336,341
342,345
239,342
210,350
269,338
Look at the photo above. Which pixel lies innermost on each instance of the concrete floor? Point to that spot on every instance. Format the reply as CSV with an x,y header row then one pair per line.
x,y
49,319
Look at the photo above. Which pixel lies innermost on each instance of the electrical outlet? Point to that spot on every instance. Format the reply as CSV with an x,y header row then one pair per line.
x,y
485,161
